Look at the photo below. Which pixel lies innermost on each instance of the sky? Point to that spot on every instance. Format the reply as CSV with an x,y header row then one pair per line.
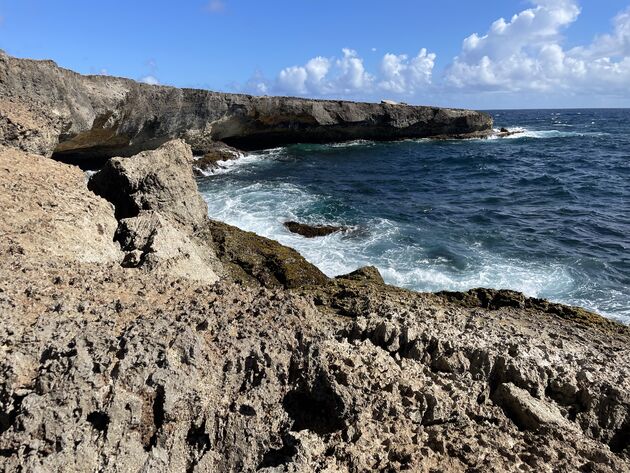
x,y
484,54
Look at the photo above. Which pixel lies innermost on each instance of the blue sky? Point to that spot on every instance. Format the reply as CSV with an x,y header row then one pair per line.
x,y
482,54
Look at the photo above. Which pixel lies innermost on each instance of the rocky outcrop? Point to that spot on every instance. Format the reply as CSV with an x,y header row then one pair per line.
x,y
163,225
312,231
107,368
250,258
160,212
160,180
78,117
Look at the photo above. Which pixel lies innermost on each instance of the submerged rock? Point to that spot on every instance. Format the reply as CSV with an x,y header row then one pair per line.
x,y
312,231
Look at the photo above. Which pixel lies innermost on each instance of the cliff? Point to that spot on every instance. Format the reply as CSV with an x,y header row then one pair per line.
x,y
49,110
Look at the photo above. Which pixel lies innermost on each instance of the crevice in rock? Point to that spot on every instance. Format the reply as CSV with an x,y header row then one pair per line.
x,y
99,420
318,409
620,440
199,442
158,416
85,161
276,457
8,418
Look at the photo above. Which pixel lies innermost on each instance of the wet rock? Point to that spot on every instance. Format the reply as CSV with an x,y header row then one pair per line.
x,y
218,152
369,274
312,231
252,258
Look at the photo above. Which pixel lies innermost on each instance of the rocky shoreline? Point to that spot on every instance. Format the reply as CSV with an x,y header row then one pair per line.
x,y
137,334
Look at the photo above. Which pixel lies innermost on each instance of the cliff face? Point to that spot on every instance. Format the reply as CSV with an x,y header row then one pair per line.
x,y
46,109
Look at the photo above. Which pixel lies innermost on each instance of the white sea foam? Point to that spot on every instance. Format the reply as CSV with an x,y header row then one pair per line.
x,y
522,132
243,162
263,208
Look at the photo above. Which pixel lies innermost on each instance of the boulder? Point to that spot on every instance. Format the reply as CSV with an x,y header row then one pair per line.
x,y
312,231
254,259
159,180
160,212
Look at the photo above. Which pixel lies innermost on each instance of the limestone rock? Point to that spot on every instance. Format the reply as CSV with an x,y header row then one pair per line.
x,y
369,274
47,212
527,411
153,242
252,258
159,180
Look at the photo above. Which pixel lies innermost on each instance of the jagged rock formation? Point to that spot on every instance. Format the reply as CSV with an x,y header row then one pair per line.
x,y
107,368
46,109
48,212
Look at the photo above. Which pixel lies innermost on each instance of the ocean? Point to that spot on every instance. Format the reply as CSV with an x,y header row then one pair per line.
x,y
545,211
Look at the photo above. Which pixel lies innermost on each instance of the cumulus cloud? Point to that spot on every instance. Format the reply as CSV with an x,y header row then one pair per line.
x,y
522,55
151,80
526,54
402,75
347,76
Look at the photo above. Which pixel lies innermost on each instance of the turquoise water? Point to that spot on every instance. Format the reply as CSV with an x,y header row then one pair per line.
x,y
545,212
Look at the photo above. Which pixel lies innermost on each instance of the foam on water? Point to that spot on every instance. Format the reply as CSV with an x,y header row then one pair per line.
x,y
263,208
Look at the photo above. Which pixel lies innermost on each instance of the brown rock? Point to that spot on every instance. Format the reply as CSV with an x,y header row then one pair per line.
x,y
312,231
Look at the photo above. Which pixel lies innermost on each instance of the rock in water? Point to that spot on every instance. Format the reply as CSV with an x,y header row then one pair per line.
x,y
252,258
312,231
219,152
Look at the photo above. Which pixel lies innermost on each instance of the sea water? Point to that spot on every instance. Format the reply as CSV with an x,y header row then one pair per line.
x,y
545,211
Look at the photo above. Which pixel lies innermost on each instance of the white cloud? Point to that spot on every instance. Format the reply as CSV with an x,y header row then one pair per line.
x,y
523,56
526,54
347,76
402,75
151,80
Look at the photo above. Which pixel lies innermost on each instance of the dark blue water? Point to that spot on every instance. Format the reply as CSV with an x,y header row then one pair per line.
x,y
546,211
